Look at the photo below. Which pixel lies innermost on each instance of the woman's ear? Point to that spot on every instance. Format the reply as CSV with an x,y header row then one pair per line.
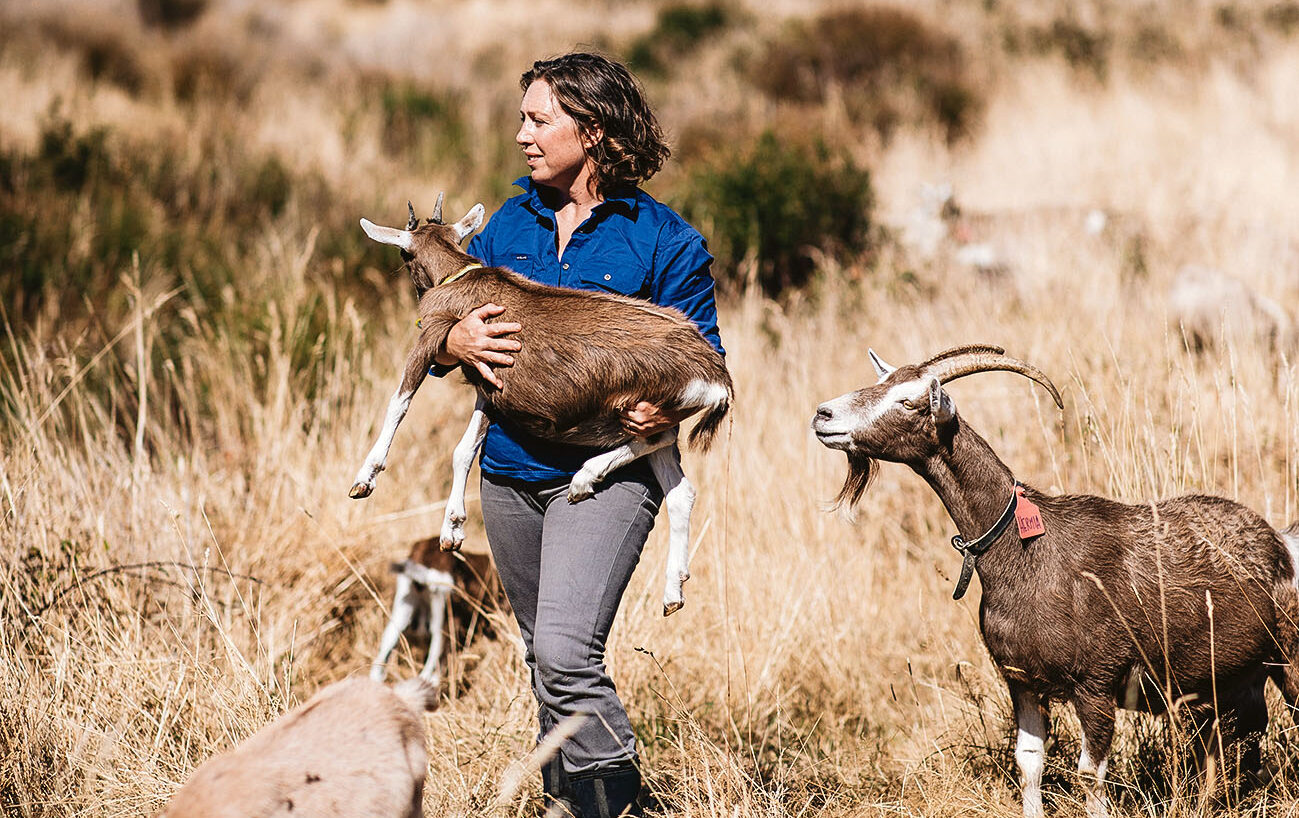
x,y
591,136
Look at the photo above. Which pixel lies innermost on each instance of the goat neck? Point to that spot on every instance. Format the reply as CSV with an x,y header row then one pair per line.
x,y
972,482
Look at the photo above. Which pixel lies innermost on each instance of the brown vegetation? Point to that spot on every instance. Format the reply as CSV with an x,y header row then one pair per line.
x,y
195,335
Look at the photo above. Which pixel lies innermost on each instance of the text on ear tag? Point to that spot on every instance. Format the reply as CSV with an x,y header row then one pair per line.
x,y
1027,516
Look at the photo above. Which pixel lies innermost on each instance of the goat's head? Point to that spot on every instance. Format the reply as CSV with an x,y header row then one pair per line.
x,y
426,247
907,416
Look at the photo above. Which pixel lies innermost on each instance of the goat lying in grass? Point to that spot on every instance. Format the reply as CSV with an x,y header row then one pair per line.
x,y
354,750
428,582
1190,600
585,356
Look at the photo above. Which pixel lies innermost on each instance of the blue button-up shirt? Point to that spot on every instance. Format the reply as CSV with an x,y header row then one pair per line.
x,y
630,244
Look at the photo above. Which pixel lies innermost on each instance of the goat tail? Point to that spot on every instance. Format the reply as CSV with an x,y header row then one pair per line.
x,y
417,693
701,437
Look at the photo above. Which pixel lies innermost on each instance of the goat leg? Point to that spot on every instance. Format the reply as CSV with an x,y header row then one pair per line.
x,y
417,365
438,595
1096,715
453,522
404,604
583,484
1030,746
679,496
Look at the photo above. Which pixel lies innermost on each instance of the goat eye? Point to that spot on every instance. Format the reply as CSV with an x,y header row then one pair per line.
x,y
911,404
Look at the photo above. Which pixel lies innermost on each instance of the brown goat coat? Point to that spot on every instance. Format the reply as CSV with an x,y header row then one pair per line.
x,y
1108,608
585,355
354,750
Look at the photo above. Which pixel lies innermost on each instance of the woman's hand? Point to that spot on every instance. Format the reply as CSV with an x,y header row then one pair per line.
x,y
644,419
474,341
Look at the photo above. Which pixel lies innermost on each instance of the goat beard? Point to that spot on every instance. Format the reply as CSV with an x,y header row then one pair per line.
x,y
861,468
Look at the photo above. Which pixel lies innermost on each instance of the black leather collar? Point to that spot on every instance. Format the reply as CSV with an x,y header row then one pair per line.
x,y
973,549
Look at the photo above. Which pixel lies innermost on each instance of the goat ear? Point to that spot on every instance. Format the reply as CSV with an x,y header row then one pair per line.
x,y
387,235
471,222
882,369
941,407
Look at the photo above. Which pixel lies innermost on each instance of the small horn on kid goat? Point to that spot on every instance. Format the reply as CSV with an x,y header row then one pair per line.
x,y
961,361
413,221
436,218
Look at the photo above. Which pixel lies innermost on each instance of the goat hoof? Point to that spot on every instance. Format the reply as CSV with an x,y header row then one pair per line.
x,y
449,545
360,491
578,495
670,608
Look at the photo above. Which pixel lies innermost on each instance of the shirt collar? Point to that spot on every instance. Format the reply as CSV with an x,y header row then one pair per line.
x,y
625,199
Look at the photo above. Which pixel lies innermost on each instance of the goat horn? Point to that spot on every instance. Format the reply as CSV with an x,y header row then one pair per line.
x,y
990,349
413,221
437,209
954,364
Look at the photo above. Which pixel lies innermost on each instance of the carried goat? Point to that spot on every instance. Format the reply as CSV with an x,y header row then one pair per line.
x,y
585,356
1191,598
354,750
429,582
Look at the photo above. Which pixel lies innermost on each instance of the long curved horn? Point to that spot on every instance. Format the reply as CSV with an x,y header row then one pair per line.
x,y
948,367
436,218
413,221
990,349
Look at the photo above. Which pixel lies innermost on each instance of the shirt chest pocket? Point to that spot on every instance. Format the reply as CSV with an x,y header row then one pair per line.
x,y
625,276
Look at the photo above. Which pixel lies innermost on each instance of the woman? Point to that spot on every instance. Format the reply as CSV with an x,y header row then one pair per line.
x,y
589,138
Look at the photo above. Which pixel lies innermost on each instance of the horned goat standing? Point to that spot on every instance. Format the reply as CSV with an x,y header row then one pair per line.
x,y
1114,605
585,356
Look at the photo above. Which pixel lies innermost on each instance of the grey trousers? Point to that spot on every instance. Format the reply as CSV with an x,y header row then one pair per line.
x,y
564,567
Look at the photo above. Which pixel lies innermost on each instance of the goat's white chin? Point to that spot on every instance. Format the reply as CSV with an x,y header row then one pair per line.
x,y
834,440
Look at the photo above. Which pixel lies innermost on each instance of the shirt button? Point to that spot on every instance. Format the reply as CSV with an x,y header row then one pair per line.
x,y
607,277
566,265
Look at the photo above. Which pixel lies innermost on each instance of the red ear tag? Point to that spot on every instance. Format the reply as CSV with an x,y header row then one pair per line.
x,y
1027,516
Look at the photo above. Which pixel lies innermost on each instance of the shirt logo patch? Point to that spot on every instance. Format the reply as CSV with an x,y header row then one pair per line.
x,y
520,257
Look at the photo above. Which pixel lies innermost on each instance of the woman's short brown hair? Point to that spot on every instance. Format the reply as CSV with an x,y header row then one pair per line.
x,y
601,94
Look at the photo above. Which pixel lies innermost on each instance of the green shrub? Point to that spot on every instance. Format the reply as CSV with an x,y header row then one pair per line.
x,y
885,60
775,203
678,29
428,127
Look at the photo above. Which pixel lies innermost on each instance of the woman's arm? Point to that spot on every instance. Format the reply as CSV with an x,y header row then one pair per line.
x,y
682,279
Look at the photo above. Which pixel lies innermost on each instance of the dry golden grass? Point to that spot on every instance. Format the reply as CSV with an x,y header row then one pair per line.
x,y
819,666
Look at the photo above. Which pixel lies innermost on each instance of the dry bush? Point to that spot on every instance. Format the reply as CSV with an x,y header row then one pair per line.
x,y
891,67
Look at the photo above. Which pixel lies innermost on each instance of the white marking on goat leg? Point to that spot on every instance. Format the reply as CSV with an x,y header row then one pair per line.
x,y
1093,774
404,604
437,611
462,460
597,468
1030,748
700,393
679,496
378,456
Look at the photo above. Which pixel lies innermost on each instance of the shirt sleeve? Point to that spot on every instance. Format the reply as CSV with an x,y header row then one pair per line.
x,y
683,279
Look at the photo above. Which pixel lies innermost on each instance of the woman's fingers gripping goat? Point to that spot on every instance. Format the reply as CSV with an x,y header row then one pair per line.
x,y
474,341
643,419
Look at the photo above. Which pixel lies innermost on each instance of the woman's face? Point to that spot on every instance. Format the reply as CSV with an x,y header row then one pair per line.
x,y
552,143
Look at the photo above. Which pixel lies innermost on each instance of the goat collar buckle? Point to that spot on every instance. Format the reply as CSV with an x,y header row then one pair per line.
x,y
474,265
972,549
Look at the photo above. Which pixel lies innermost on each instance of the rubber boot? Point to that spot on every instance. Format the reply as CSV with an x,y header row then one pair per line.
x,y
610,794
557,790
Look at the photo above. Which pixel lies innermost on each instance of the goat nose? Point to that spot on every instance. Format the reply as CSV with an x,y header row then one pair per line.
x,y
824,412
